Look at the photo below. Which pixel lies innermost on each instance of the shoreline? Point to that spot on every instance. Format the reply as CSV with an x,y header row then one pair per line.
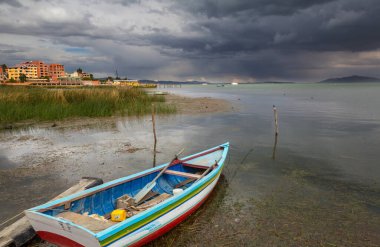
x,y
200,105
185,105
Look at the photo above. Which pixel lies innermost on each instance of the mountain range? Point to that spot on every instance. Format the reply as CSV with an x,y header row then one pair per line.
x,y
351,79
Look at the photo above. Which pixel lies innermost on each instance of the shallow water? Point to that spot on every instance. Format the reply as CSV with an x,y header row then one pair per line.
x,y
321,188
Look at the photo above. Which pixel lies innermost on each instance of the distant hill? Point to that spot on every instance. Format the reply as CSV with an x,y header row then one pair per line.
x,y
351,79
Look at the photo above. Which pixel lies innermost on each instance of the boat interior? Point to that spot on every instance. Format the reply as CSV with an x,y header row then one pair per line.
x,y
93,210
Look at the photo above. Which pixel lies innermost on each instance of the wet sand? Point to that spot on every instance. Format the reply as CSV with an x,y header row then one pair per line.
x,y
187,105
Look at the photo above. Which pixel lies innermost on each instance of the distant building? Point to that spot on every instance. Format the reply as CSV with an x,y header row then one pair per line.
x,y
91,83
86,75
69,81
28,69
42,68
82,75
75,74
56,71
131,83
3,75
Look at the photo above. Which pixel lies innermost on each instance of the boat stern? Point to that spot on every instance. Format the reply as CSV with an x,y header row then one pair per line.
x,y
59,231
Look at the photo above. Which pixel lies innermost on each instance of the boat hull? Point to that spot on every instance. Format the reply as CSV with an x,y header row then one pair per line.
x,y
58,239
136,231
69,236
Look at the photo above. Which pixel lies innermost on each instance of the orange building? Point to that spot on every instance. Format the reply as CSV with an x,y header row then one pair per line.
x,y
42,68
2,74
56,71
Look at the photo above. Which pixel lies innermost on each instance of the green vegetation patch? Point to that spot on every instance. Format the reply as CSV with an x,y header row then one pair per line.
x,y
24,103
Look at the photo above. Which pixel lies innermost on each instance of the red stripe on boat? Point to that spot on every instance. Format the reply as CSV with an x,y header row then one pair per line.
x,y
169,226
58,239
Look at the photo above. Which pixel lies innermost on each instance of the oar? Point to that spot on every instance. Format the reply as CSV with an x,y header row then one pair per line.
x,y
137,198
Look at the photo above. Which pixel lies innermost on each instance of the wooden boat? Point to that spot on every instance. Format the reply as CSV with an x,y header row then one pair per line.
x,y
82,219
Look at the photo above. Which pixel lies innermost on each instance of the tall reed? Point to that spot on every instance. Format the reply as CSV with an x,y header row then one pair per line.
x,y
22,103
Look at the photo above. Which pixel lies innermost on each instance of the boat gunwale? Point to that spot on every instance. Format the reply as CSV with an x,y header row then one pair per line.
x,y
82,194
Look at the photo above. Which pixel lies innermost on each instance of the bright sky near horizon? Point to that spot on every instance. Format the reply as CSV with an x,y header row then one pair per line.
x,y
207,40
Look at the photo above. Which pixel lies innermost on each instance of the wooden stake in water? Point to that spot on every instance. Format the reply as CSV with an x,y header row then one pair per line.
x,y
276,132
154,135
274,147
275,119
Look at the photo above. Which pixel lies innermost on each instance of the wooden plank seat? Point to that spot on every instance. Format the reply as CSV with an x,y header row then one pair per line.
x,y
189,180
195,165
183,174
86,221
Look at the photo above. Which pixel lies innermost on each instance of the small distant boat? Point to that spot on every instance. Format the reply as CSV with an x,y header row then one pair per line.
x,y
204,84
169,193
234,83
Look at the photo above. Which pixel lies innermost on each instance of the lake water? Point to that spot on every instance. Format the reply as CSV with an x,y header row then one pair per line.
x,y
318,186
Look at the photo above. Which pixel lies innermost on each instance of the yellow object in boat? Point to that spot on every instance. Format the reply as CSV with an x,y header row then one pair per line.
x,y
118,215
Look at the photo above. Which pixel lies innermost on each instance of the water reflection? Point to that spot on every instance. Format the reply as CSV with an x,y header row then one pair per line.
x,y
327,158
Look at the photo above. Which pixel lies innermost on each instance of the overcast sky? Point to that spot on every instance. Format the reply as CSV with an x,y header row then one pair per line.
x,y
217,41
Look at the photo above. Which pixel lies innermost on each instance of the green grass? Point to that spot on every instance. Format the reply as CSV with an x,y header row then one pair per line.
x,y
25,103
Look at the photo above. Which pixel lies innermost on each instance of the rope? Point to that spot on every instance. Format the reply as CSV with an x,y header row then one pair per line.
x,y
245,157
233,175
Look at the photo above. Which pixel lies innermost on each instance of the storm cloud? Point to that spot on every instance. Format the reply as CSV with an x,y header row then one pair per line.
x,y
247,40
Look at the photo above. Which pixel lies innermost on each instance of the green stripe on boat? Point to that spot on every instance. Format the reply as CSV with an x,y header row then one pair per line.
x,y
154,216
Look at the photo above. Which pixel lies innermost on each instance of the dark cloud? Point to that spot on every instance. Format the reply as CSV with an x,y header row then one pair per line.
x,y
336,26
260,39
223,8
13,3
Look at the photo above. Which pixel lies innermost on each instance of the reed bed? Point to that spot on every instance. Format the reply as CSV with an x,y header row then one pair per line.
x,y
24,103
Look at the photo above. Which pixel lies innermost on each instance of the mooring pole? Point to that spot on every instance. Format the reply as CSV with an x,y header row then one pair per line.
x,y
274,147
275,119
276,131
154,135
